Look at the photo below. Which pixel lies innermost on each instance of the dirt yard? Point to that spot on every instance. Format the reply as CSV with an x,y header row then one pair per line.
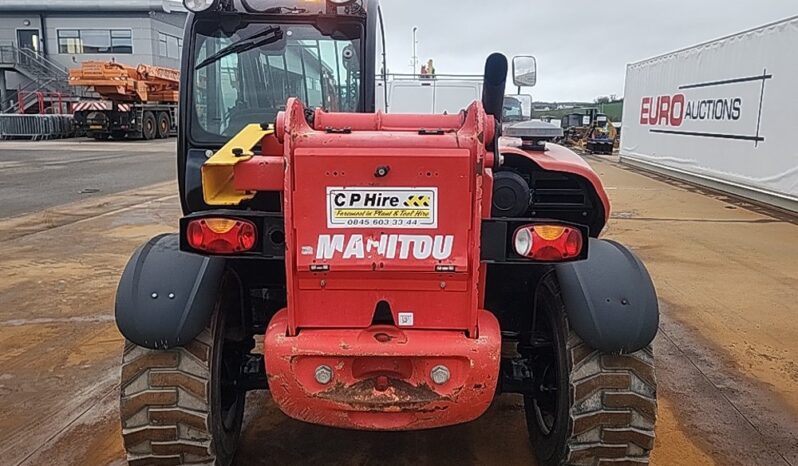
x,y
726,273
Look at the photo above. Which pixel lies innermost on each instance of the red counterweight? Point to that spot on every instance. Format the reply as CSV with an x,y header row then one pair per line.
x,y
382,221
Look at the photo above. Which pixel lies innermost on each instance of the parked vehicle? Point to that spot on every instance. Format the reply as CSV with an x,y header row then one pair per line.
x,y
138,102
401,270
517,107
601,136
400,93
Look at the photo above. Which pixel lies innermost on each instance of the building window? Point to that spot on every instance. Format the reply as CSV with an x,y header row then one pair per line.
x,y
169,46
162,44
121,41
99,41
69,41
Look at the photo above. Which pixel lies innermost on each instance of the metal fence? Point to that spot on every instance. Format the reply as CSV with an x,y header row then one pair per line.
x,y
37,127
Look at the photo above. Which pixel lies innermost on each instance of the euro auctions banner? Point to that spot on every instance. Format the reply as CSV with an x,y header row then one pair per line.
x,y
725,110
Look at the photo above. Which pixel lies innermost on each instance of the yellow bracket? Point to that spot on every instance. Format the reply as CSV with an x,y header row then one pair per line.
x,y
217,171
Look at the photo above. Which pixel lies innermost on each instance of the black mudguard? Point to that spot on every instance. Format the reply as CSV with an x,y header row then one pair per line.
x,y
609,298
165,296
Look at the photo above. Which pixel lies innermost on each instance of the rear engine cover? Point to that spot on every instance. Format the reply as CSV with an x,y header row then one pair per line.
x,y
383,213
414,218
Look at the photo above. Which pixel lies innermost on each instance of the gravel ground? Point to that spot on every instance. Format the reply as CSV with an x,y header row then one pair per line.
x,y
725,271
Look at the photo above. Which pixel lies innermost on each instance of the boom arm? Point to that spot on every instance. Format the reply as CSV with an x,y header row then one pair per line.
x,y
116,81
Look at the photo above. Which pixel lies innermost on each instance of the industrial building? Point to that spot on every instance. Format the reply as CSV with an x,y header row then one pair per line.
x,y
40,40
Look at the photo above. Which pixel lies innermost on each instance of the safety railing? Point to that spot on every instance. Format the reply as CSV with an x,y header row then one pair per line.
x,y
8,54
11,104
37,101
48,102
33,62
37,127
43,74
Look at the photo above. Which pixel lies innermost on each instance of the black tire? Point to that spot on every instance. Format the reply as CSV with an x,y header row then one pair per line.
x,y
604,406
149,126
174,406
163,125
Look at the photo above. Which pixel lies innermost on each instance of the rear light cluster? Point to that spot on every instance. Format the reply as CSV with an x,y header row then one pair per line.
x,y
222,235
548,242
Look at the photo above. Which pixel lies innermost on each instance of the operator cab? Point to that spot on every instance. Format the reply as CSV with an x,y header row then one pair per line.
x,y
243,59
516,108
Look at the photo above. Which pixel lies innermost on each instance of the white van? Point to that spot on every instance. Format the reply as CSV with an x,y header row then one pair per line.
x,y
427,95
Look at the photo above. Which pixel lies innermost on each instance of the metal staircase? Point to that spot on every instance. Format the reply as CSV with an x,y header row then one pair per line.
x,y
48,81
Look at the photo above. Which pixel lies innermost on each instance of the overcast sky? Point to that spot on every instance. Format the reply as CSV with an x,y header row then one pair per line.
x,y
582,46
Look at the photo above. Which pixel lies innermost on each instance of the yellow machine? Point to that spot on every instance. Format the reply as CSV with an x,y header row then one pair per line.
x,y
600,136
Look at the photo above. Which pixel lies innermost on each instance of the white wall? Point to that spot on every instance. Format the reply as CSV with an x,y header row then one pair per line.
x,y
138,23
9,23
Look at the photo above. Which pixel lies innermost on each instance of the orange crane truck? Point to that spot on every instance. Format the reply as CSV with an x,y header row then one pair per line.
x,y
135,102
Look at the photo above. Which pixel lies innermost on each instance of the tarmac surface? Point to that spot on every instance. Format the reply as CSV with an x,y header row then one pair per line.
x,y
727,354
78,169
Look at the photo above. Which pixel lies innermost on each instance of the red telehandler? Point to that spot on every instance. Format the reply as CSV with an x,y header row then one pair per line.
x,y
401,271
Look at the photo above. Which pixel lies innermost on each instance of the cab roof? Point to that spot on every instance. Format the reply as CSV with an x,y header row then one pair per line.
x,y
296,7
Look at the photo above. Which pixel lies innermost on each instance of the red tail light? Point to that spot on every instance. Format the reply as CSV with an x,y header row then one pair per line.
x,y
221,235
548,242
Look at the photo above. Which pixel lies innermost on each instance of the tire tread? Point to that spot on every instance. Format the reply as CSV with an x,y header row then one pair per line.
x,y
612,407
173,434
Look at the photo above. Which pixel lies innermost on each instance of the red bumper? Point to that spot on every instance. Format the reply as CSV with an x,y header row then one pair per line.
x,y
381,376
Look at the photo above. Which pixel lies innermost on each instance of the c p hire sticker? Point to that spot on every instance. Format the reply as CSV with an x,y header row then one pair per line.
x,y
382,207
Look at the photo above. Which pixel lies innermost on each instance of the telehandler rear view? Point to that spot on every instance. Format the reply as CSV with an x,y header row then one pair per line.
x,y
402,271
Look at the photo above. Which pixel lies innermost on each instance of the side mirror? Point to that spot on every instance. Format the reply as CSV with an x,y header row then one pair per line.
x,y
525,71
